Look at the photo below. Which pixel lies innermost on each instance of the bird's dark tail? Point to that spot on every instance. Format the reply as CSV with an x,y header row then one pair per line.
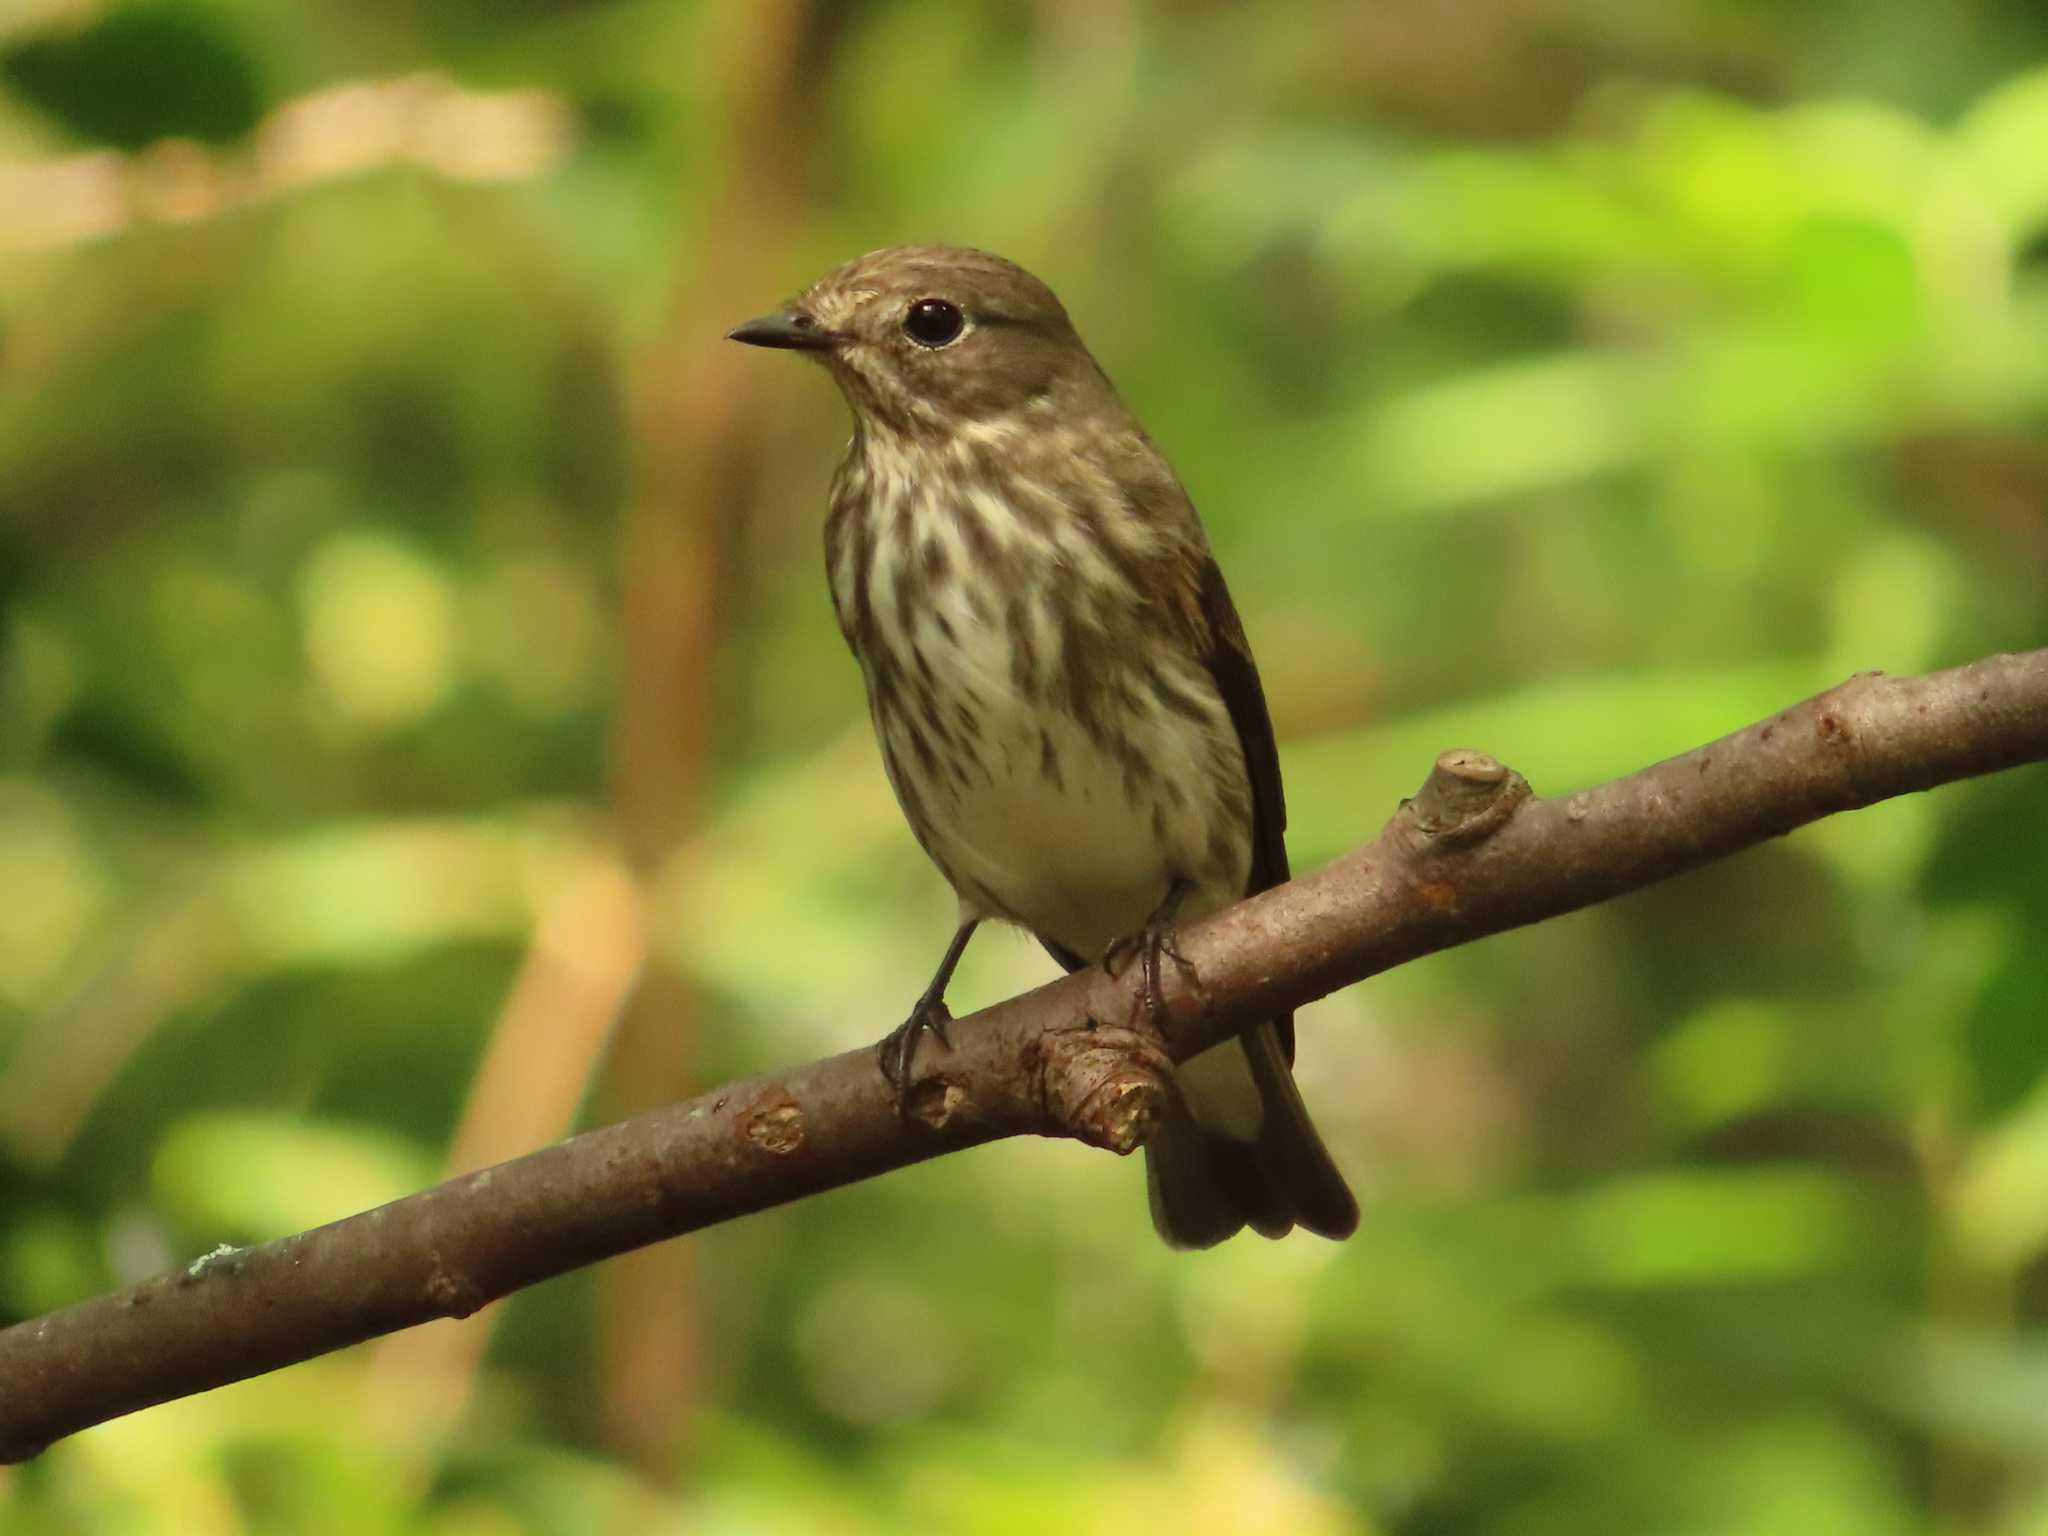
x,y
1206,1185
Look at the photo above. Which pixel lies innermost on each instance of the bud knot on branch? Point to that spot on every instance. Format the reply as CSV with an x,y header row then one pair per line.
x,y
1104,1084
1467,796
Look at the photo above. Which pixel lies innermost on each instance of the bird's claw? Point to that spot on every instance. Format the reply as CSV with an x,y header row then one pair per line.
x,y
1152,945
895,1051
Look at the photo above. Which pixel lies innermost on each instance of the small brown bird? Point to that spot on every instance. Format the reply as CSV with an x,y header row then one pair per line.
x,y
1065,700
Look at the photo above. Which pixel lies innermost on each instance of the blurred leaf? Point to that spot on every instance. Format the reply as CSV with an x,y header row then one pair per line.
x,y
146,70
2003,133
249,1177
1569,734
1704,1228
2001,1208
46,1262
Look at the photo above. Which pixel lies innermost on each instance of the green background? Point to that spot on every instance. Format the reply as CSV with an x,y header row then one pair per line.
x,y
418,670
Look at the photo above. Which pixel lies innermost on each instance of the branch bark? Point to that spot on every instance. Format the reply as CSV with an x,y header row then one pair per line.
x,y
1474,853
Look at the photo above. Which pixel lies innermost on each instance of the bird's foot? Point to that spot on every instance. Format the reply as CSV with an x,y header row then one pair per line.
x,y
895,1051
1153,945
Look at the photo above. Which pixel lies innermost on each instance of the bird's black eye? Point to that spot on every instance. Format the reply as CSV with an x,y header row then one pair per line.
x,y
933,322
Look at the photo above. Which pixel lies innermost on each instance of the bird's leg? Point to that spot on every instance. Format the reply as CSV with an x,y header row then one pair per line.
x,y
894,1051
1155,943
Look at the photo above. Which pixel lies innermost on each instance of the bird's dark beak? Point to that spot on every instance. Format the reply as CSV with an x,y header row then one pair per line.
x,y
792,331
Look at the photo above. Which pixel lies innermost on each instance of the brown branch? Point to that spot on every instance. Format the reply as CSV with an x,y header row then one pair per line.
x,y
1471,855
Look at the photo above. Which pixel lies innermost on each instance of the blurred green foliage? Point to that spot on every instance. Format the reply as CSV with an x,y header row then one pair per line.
x,y
1574,380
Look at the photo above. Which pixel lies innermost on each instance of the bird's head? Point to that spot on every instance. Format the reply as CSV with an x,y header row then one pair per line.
x,y
927,339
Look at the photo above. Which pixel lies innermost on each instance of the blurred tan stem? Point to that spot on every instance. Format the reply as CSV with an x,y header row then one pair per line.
x,y
587,949
71,1055
691,455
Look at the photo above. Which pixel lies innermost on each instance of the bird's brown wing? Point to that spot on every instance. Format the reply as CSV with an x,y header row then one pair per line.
x,y
1288,1175
1228,655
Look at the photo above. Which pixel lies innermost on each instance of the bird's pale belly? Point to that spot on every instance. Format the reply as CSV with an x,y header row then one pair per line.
x,y
1074,834
1077,862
